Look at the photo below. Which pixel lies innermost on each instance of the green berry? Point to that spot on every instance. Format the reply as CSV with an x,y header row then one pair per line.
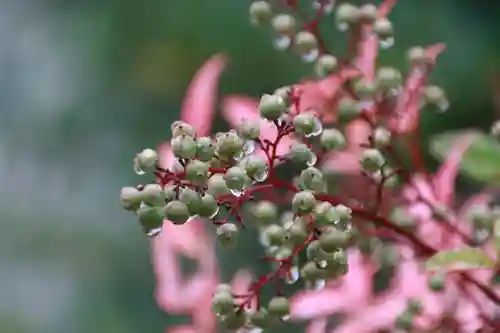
x,y
181,128
332,239
381,137
332,139
184,146
312,179
310,271
130,198
260,12
223,303
235,320
383,28
324,214
402,219
368,13
303,202
348,109
274,235
216,185
249,130
347,14
151,220
365,90
279,306
312,250
227,234
256,167
283,24
434,95
209,206
297,233
229,144
192,199
260,318
223,288
271,107
305,42
205,149
197,172
284,93
177,212
145,161
170,192
389,78
265,212
418,56
300,153
414,306
307,124
326,64
436,283
371,160
236,178
153,195
404,321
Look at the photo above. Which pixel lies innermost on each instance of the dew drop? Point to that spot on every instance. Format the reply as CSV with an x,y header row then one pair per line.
x,y
310,56
214,214
261,176
293,275
343,27
443,106
191,218
386,43
319,284
240,156
137,169
153,232
236,193
312,159
282,42
318,128
249,147
285,318
322,263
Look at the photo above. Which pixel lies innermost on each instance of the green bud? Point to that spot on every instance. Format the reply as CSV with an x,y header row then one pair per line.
x,y
417,56
229,144
300,153
223,288
192,200
303,202
347,14
256,167
387,256
326,64
344,213
153,195
130,198
209,206
265,212
313,250
184,146
337,264
297,232
223,303
389,78
181,128
271,106
205,149
435,95
217,186
307,124
227,234
249,130
236,178
145,161
365,90
305,42
284,93
381,137
368,13
177,212
383,28
260,12
283,24
332,239
332,139
371,160
404,321
402,219
312,179
151,220
436,283
197,172
273,235
279,306
348,109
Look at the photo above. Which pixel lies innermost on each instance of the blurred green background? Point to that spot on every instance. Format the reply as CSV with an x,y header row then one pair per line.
x,y
85,84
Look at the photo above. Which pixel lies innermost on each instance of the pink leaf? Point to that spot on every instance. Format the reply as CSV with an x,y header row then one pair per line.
x,y
199,102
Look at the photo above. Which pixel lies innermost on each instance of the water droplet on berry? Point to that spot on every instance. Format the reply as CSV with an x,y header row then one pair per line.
x,y
343,27
153,232
319,284
191,218
261,176
282,42
312,159
327,5
249,147
214,214
138,170
322,263
443,106
236,193
317,130
285,318
310,56
386,43
292,275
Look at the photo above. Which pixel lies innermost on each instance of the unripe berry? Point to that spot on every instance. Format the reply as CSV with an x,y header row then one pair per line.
x,y
260,12
177,212
256,167
337,264
307,124
271,107
312,179
305,42
326,64
151,220
192,200
414,306
381,137
170,192
235,320
209,206
229,144
227,234
265,212
217,186
236,178
145,161
324,214
434,95
389,78
260,318
205,149
184,146
404,321
365,90
223,303
303,202
371,160
313,250
310,271
301,153
417,56
130,198
181,128
332,139
368,13
197,172
223,288
296,233
348,109
283,24
284,93
387,256
249,129
383,28
347,14
495,130
274,235
402,219
279,306
332,239
436,283
152,195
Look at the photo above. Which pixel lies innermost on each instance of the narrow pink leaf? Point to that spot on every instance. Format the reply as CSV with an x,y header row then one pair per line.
x,y
199,102
317,326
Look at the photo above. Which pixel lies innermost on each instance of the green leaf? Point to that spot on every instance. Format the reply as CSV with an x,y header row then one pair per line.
x,y
480,161
460,259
